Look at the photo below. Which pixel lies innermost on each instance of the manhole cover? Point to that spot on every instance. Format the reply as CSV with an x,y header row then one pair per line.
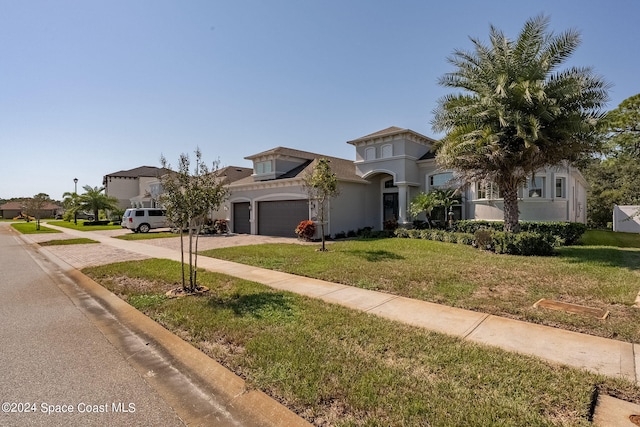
x,y
635,419
571,308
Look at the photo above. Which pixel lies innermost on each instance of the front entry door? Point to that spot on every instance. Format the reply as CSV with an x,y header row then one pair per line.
x,y
389,207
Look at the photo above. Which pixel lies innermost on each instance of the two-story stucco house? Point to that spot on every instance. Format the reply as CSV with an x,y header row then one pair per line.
x,y
391,167
133,187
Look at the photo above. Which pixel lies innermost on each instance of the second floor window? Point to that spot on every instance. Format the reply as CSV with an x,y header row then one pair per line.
x,y
263,167
440,180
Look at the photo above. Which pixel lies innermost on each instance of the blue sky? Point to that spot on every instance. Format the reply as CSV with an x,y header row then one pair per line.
x,y
88,88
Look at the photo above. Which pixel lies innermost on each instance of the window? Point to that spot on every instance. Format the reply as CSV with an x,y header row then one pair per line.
x,y
370,153
440,179
387,150
389,184
487,190
537,186
263,167
561,188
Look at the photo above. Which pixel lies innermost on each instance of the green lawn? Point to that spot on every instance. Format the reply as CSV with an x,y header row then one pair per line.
x,y
79,241
335,366
80,226
30,228
610,238
461,276
147,236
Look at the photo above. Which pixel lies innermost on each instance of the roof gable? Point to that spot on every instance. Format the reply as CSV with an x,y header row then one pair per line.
x,y
390,133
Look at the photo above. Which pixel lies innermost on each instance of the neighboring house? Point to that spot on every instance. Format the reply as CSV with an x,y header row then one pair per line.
x,y
132,188
12,209
626,219
391,167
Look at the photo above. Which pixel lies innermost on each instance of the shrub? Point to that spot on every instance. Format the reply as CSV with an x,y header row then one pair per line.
x,y
566,233
306,230
483,239
340,235
390,224
364,232
351,233
523,243
221,226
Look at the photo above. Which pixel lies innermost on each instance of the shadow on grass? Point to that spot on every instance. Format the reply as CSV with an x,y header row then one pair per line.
x,y
262,305
607,256
375,256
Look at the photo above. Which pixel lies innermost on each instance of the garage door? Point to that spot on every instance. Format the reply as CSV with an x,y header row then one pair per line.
x,y
241,224
280,218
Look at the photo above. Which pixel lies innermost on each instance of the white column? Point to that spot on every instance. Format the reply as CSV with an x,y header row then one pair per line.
x,y
402,205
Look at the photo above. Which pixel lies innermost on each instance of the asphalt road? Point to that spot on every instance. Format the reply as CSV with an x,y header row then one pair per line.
x,y
56,367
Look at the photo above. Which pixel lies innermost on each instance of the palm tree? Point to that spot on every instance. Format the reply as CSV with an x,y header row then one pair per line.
x,y
424,202
447,199
71,204
518,113
95,200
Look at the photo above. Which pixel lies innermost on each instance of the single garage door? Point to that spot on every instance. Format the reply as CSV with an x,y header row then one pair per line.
x,y
280,218
241,212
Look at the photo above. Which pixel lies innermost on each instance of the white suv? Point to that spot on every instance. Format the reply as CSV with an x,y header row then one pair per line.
x,y
144,219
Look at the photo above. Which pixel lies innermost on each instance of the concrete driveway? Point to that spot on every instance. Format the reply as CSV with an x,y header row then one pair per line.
x,y
91,255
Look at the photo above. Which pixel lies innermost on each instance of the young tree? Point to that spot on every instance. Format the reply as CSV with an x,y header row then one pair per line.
x,y
94,200
447,199
517,113
189,197
321,185
71,204
35,206
424,202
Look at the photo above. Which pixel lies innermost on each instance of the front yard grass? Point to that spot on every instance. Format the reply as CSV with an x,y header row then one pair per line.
x,y
147,236
30,228
336,366
80,226
79,241
461,276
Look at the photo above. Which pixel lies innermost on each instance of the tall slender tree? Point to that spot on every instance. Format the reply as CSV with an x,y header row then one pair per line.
x,y
517,112
321,185
189,197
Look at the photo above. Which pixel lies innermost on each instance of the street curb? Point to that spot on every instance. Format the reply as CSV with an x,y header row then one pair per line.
x,y
259,408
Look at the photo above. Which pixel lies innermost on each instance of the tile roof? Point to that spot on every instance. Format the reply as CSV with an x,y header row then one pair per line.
x,y
344,169
18,204
284,151
390,131
146,171
233,173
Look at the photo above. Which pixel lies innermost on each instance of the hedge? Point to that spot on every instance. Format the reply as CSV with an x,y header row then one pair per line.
x,y
568,233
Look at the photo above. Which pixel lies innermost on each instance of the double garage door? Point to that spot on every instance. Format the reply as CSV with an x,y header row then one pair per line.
x,y
275,218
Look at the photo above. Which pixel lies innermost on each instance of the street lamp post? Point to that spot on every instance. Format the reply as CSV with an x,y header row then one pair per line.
x,y
75,196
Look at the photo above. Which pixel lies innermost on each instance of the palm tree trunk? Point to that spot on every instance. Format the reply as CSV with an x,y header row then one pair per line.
x,y
511,214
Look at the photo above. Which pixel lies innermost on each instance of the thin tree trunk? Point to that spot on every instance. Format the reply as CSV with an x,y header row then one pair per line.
x,y
184,285
195,259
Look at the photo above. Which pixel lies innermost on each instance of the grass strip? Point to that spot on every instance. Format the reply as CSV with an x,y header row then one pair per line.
x,y
30,228
335,366
148,236
79,241
81,227
606,278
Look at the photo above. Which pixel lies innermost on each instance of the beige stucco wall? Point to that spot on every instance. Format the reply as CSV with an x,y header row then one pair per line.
x,y
122,189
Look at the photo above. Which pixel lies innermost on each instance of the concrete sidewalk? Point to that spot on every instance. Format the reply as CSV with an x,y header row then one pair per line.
x,y
603,356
